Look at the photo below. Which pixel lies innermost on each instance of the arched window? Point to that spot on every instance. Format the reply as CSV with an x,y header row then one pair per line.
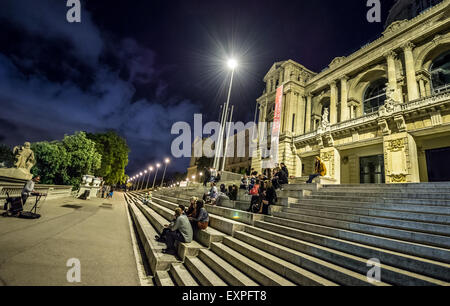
x,y
375,96
440,73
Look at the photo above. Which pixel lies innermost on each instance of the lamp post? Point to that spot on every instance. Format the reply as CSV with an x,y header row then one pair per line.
x,y
167,161
143,179
232,64
150,169
139,182
226,140
154,180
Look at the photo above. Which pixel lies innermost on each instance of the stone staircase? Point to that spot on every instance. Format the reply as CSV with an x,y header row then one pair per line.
x,y
316,236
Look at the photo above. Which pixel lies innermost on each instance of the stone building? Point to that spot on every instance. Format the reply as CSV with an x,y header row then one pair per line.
x,y
388,105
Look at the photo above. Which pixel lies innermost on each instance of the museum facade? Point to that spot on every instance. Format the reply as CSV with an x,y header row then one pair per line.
x,y
379,115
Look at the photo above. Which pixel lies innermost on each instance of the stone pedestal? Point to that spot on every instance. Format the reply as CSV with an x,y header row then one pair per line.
x,y
332,160
17,174
401,162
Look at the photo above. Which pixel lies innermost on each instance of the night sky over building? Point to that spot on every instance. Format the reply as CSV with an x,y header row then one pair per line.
x,y
139,66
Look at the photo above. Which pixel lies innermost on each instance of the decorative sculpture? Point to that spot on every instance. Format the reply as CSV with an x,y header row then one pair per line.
x,y
24,157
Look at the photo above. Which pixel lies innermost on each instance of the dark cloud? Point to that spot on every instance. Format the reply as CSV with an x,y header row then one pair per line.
x,y
35,106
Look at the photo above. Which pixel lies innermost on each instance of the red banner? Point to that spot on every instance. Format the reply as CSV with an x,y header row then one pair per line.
x,y
276,125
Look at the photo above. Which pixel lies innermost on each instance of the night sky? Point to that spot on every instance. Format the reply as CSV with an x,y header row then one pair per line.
x,y
138,68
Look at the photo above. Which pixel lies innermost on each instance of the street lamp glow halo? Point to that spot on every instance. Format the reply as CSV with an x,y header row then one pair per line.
x,y
232,63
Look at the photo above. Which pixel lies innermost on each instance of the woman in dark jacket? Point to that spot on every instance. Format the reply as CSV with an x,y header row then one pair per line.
x,y
269,197
200,218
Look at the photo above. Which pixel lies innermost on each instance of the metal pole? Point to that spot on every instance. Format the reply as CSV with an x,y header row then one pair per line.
x,y
218,142
221,136
154,181
227,139
139,182
228,103
164,174
148,179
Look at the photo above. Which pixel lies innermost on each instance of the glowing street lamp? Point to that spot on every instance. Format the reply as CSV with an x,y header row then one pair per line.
x,y
166,161
150,169
154,180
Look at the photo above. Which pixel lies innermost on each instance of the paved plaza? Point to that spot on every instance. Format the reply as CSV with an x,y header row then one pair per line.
x,y
97,232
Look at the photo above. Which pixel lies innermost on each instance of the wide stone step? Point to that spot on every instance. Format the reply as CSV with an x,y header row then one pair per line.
x,y
221,224
442,210
387,194
403,186
227,272
392,214
163,279
284,268
386,200
384,231
182,276
158,261
254,270
419,250
204,275
342,267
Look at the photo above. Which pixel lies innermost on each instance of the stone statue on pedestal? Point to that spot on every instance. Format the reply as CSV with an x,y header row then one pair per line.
x,y
25,160
24,157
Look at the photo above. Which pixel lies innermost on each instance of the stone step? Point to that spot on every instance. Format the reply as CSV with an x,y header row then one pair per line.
x,y
159,216
254,270
424,191
182,276
204,275
163,279
413,194
227,272
221,224
343,268
415,249
352,216
441,210
404,186
284,268
384,231
393,214
158,261
385,200
325,247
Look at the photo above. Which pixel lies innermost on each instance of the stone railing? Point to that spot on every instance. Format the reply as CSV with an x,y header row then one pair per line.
x,y
52,191
398,109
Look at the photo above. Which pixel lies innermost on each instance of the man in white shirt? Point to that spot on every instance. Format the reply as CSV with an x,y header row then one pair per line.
x,y
29,188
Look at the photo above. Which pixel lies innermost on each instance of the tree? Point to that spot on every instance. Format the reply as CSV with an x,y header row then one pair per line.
x,y
83,157
6,156
65,162
114,151
203,162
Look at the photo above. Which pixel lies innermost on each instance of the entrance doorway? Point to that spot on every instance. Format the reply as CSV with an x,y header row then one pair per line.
x,y
372,169
438,165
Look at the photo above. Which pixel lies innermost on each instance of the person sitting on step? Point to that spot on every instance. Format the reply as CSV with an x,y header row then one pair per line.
x,y
200,219
181,231
255,193
269,197
212,196
319,170
191,207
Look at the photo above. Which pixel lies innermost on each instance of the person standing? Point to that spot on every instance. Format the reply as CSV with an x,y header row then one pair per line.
x,y
319,170
28,188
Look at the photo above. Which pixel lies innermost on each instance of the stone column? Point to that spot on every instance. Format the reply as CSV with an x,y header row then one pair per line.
x,y
333,103
344,98
401,161
286,114
332,160
300,130
423,93
308,113
281,76
413,92
392,74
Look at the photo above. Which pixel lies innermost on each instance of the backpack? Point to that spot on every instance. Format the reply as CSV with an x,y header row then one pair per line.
x,y
255,190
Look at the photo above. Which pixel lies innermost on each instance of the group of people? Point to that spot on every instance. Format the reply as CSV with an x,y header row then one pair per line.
x,y
278,176
185,224
211,176
216,197
108,191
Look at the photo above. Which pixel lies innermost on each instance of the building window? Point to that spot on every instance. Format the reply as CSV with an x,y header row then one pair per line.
x,y
440,73
293,123
375,96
